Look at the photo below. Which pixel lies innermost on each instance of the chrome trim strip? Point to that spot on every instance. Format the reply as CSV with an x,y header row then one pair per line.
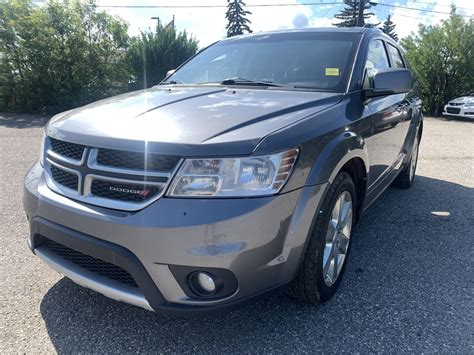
x,y
91,177
52,153
85,278
88,197
58,187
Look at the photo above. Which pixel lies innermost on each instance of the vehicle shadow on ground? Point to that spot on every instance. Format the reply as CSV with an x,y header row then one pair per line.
x,y
407,245
14,120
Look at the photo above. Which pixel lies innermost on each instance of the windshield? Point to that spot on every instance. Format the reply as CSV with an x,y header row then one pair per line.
x,y
320,61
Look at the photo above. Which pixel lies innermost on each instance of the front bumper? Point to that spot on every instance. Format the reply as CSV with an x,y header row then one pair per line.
x,y
257,240
458,111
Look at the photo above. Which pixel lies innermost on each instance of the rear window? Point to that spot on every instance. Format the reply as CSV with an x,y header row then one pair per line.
x,y
397,60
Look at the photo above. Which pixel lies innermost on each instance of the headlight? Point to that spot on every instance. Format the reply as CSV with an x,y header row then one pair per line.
x,y
234,177
469,104
42,152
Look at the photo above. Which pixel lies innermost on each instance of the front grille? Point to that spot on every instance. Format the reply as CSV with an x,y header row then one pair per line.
x,y
137,161
64,178
454,110
70,150
110,178
456,103
123,192
97,266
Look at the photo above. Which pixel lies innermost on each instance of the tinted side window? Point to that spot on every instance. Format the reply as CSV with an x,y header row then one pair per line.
x,y
376,59
397,61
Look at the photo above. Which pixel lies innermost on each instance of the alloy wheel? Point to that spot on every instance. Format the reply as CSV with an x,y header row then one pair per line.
x,y
337,238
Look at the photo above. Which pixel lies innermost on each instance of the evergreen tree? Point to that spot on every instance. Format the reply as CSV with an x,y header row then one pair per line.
x,y
349,14
389,28
235,14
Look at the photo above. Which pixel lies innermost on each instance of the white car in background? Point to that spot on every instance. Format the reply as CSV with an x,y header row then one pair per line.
x,y
460,107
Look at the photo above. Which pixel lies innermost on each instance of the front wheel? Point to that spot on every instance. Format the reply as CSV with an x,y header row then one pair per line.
x,y
326,255
406,177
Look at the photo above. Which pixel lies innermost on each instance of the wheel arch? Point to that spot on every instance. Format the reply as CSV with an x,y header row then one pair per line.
x,y
347,152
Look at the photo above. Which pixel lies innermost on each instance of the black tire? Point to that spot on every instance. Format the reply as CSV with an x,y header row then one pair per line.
x,y
309,284
406,177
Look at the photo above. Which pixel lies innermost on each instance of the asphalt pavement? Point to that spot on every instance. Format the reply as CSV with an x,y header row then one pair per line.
x,y
408,287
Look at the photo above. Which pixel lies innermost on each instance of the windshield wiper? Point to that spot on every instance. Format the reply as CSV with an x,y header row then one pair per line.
x,y
171,82
242,81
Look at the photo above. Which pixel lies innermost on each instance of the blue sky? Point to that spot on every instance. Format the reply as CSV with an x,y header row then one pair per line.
x,y
208,24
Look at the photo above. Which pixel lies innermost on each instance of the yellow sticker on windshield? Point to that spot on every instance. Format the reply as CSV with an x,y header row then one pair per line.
x,y
332,71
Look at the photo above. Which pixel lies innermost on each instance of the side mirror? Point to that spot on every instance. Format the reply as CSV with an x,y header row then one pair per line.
x,y
390,81
170,72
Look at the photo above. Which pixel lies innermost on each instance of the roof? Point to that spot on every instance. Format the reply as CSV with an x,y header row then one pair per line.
x,y
315,30
322,29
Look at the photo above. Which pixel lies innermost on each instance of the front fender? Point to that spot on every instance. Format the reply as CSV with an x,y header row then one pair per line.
x,y
344,147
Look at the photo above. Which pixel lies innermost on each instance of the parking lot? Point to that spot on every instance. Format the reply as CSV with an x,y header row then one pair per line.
x,y
409,284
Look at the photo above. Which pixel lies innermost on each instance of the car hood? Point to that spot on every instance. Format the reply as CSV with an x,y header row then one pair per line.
x,y
464,99
188,120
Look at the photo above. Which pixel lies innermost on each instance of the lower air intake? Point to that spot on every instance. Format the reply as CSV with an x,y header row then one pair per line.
x,y
89,263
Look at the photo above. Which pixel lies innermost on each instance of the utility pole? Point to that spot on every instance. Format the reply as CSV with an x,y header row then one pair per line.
x,y
157,19
360,15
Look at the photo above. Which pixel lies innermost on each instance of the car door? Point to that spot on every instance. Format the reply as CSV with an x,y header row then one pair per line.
x,y
387,115
409,102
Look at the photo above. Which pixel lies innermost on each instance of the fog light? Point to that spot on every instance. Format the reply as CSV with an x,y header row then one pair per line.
x,y
206,282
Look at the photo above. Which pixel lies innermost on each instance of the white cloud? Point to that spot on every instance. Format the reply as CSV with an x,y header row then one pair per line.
x,y
321,22
300,20
208,24
274,18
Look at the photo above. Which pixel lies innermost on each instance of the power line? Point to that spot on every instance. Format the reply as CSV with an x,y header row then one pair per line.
x,y
414,9
436,4
273,5
413,17
217,6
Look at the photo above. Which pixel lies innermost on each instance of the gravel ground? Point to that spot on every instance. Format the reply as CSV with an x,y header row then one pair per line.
x,y
408,286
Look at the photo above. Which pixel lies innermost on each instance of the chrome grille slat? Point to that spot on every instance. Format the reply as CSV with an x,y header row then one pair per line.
x,y
70,150
122,185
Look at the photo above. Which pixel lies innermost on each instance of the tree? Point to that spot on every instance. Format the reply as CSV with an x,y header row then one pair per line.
x,y
350,12
152,54
235,15
59,55
389,28
442,59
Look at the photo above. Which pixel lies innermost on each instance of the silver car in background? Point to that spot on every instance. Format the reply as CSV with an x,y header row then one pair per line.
x,y
460,107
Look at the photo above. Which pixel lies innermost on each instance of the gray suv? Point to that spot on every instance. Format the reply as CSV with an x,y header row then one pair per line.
x,y
243,172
